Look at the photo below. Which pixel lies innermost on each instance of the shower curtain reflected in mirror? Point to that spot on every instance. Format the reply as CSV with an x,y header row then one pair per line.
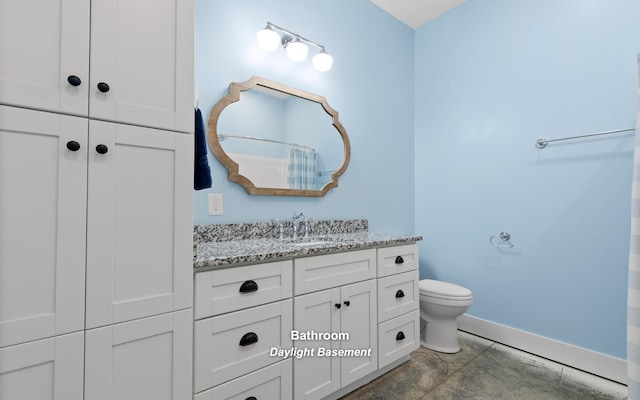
x,y
303,170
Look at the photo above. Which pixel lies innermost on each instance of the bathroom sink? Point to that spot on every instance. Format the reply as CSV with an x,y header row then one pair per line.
x,y
310,243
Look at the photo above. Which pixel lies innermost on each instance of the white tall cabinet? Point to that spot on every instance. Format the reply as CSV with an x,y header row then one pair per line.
x,y
96,171
128,61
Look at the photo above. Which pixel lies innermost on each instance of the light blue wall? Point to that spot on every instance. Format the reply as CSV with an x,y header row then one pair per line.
x,y
493,76
370,84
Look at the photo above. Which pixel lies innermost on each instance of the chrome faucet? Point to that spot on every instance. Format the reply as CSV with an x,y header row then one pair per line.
x,y
280,224
306,221
295,218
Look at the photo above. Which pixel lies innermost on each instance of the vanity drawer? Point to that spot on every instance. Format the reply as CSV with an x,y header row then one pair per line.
x,y
332,270
398,337
398,294
231,345
397,259
225,290
274,382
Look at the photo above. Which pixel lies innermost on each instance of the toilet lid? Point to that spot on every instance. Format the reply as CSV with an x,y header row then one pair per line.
x,y
446,290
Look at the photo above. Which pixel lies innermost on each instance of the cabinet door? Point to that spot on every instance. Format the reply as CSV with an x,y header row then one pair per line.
x,y
43,369
42,43
42,224
144,359
139,223
144,52
316,377
359,319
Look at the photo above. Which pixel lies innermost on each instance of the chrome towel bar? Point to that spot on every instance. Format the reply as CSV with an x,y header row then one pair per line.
x,y
542,143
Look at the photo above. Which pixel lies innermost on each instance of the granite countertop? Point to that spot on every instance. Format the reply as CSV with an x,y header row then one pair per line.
x,y
214,255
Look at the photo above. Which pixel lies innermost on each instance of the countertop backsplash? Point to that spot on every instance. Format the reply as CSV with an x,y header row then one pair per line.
x,y
269,230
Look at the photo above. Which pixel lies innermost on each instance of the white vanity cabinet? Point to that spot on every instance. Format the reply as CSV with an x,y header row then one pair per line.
x,y
398,303
241,314
115,60
337,295
350,317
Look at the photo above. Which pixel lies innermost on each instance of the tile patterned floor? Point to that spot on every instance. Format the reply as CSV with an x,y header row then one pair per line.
x,y
488,371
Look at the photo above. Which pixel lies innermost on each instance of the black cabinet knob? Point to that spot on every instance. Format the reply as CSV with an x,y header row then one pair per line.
x,y
74,80
399,260
73,145
102,149
347,303
251,398
248,287
248,338
103,87
399,294
338,306
400,336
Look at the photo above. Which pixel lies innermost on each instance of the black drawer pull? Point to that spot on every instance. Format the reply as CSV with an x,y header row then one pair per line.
x,y
399,260
103,87
399,294
102,149
251,398
400,336
248,338
74,80
248,287
338,305
347,303
73,145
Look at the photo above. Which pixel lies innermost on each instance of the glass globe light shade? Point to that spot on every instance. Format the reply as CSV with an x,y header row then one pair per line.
x,y
322,61
296,50
268,39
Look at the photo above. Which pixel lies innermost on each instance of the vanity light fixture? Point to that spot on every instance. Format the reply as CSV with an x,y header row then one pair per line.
x,y
294,44
296,50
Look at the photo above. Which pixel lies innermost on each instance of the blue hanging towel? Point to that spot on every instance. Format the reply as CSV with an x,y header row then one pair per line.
x,y
201,170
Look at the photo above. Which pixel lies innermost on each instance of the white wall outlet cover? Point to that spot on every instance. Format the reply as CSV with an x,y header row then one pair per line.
x,y
215,204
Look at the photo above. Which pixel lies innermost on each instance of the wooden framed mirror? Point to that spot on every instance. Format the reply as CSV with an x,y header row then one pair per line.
x,y
277,140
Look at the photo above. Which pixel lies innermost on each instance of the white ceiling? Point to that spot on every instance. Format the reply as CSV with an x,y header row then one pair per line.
x,y
417,12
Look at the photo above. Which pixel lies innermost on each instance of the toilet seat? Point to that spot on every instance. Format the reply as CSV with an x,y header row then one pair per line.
x,y
444,290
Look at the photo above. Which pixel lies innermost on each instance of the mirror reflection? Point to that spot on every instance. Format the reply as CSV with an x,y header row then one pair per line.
x,y
278,140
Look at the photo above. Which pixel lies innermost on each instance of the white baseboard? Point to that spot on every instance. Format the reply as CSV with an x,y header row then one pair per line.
x,y
593,362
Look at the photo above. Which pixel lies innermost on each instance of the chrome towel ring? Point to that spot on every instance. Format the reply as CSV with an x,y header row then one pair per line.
x,y
505,237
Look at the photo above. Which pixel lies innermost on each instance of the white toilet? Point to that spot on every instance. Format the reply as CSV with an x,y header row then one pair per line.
x,y
441,303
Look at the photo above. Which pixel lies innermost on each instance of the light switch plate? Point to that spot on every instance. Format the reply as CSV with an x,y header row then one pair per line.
x,y
215,204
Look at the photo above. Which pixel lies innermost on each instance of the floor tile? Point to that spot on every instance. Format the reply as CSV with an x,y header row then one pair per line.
x,y
426,370
486,370
502,373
